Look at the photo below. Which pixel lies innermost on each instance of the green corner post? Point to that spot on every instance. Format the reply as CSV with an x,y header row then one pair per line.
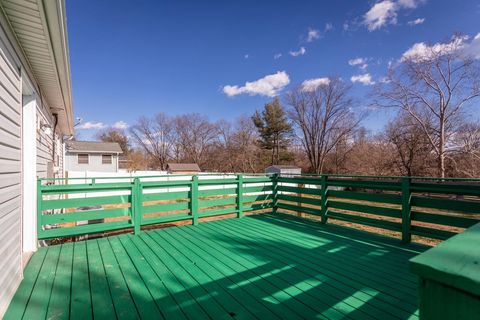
x,y
240,196
39,209
323,199
194,200
406,210
137,205
274,192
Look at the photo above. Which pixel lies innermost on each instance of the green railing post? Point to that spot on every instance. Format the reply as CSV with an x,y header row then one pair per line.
x,y
194,200
136,205
406,209
274,192
323,200
240,196
39,209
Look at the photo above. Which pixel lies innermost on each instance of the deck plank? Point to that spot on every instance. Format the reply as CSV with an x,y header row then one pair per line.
x,y
81,301
102,304
38,303
31,273
373,285
59,305
159,291
124,306
258,267
286,278
141,296
179,267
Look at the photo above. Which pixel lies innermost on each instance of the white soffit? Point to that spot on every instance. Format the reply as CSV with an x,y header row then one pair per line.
x,y
40,29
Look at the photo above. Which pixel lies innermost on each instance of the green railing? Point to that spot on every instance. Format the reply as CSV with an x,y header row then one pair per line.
x,y
427,207
130,203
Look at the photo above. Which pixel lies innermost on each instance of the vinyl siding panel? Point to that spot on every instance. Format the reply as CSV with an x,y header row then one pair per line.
x,y
10,174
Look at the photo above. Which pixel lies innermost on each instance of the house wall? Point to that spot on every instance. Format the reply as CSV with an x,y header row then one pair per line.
x,y
17,189
94,163
10,172
45,144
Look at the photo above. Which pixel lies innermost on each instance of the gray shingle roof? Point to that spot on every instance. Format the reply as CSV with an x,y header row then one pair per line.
x,y
188,167
93,147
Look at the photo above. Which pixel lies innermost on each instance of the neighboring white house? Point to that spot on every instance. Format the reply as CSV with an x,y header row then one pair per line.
x,y
92,156
35,114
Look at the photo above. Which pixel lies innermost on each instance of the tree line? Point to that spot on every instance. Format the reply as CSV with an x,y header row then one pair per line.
x,y
434,131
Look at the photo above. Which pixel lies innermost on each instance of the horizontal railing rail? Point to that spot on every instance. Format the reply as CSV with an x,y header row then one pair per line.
x,y
410,206
72,208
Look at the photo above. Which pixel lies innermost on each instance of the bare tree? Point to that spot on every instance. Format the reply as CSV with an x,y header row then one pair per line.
x,y
433,84
411,146
194,135
466,150
323,117
115,135
155,137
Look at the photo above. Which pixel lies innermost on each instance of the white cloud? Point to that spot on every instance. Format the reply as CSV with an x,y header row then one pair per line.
x,y
416,21
364,79
409,4
313,34
120,125
269,85
382,13
299,52
277,56
313,84
423,52
360,62
328,27
473,48
385,12
91,125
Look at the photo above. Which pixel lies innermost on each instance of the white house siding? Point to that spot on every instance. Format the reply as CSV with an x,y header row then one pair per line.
x,y
45,144
94,163
10,173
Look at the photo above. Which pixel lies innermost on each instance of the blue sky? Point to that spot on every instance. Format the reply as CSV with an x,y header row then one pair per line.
x,y
138,58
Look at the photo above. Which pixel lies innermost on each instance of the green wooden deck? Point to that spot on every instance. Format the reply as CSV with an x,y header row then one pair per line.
x,y
258,267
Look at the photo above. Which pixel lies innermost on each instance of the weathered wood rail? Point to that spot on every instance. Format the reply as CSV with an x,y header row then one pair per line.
x,y
427,207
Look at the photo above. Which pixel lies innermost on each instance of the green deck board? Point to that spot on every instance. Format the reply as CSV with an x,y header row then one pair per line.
x,y
161,263
352,270
102,303
334,287
38,304
259,267
209,251
155,285
122,301
216,274
271,273
24,291
146,305
59,306
81,301
361,264
316,263
199,276
283,273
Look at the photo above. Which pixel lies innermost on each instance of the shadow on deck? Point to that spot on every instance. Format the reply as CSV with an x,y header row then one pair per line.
x,y
257,267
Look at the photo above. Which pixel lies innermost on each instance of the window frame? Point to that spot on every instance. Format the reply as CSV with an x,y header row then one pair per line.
x,y
83,154
110,158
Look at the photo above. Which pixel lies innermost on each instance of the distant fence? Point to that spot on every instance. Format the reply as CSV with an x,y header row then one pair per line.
x,y
427,207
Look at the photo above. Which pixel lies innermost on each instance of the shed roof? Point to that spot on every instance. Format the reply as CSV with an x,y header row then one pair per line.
x,y
93,147
190,167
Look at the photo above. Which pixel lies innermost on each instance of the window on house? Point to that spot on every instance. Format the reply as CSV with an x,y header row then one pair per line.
x,y
106,159
83,158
